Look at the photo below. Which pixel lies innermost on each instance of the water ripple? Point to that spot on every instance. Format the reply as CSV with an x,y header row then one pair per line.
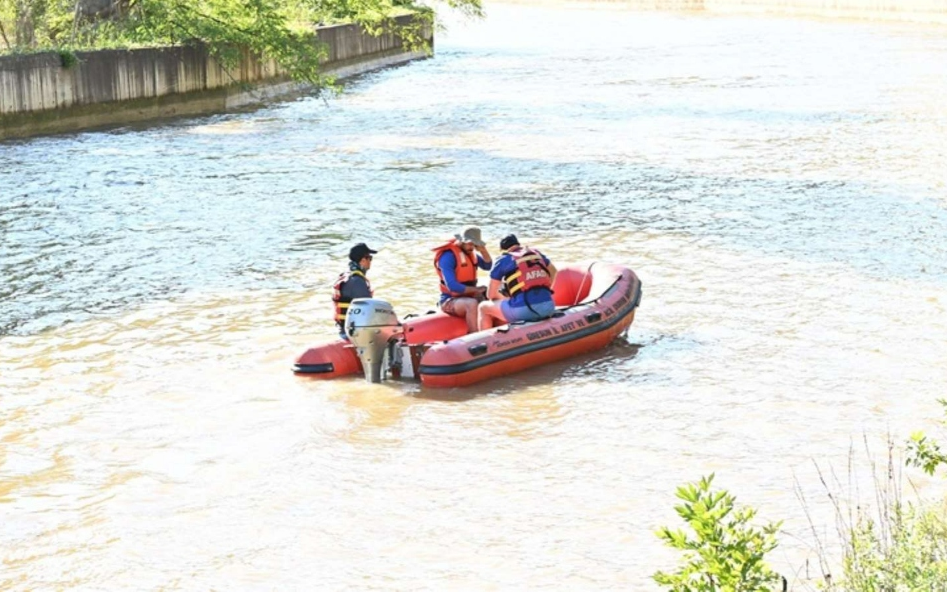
x,y
785,204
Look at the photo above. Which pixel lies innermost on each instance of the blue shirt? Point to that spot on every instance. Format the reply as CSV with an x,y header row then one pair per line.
x,y
448,266
504,266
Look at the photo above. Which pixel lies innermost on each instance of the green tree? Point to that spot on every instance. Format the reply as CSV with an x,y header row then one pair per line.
x,y
282,30
226,27
725,553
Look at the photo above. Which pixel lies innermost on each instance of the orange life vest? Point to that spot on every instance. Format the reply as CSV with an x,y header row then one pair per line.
x,y
341,302
466,270
531,272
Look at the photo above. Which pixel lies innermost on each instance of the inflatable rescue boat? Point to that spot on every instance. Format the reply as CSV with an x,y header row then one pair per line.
x,y
594,304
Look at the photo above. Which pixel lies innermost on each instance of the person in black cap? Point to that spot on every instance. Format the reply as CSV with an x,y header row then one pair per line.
x,y
352,284
524,276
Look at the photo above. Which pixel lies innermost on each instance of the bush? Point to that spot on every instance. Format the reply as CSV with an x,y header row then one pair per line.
x,y
67,58
726,554
911,556
887,544
924,452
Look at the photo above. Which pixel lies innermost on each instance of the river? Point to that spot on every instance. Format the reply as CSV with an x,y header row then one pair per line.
x,y
779,185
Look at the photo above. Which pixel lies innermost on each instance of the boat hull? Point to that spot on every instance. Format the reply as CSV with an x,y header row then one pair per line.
x,y
328,360
577,329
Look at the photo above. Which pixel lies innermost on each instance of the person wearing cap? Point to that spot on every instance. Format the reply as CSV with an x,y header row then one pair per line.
x,y
456,265
525,277
352,284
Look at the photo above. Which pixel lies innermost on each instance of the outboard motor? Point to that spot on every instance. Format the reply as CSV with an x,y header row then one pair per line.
x,y
371,324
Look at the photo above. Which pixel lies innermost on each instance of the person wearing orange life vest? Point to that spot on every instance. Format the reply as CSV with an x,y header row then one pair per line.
x,y
456,265
352,284
525,277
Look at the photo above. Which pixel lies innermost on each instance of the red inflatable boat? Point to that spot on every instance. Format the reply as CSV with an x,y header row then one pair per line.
x,y
595,304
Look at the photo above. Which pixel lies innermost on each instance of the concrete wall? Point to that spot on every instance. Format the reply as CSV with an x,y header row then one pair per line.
x,y
38,95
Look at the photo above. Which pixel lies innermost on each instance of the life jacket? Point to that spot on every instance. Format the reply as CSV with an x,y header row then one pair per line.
x,y
341,302
465,272
531,272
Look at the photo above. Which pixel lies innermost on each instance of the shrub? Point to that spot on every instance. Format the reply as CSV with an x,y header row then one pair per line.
x,y
726,553
887,543
67,58
911,555
924,452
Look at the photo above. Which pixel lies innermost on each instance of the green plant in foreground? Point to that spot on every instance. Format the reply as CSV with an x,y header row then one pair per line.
x,y
726,553
908,554
924,452
887,544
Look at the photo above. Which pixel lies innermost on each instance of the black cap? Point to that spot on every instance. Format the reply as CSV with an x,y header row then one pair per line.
x,y
509,241
360,250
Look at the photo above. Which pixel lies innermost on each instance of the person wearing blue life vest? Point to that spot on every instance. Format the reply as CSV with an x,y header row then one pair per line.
x,y
524,276
456,265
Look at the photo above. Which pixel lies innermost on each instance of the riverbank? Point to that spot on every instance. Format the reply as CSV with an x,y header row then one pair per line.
x,y
921,11
918,11
40,95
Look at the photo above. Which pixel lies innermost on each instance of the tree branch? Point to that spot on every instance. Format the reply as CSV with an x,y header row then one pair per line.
x,y
4,34
182,5
75,24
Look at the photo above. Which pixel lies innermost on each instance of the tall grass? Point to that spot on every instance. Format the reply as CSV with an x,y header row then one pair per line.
x,y
888,542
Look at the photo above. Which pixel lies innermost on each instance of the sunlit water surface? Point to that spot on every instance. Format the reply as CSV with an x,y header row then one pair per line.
x,y
779,186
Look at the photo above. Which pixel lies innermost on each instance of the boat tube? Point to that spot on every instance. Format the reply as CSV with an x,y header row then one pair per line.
x,y
594,304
